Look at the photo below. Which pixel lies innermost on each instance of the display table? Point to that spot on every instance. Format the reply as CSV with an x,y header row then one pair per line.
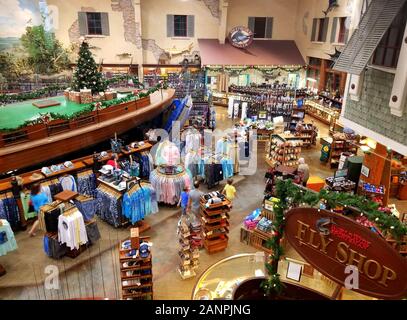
x,y
315,183
7,241
219,280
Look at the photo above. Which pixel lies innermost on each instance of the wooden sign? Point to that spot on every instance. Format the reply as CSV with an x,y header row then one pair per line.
x,y
330,242
135,238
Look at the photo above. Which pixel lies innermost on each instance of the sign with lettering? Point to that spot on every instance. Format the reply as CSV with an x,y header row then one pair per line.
x,y
330,242
241,37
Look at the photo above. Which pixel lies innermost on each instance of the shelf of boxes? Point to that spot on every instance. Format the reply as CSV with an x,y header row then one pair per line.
x,y
136,274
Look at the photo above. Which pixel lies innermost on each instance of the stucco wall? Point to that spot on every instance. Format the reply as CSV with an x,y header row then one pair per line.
x,y
154,24
308,10
107,47
283,12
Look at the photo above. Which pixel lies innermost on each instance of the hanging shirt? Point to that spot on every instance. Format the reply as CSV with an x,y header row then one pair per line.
x,y
68,183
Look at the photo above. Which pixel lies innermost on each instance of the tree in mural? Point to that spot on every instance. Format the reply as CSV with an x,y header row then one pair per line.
x,y
86,74
45,54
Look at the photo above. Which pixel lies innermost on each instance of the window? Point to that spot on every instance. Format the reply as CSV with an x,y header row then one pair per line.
x,y
315,62
180,26
340,30
388,50
320,29
262,27
94,22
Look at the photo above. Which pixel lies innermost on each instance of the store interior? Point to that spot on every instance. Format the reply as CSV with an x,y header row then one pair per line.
x,y
188,180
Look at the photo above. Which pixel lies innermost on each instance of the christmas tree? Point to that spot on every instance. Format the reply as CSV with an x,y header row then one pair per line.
x,y
86,74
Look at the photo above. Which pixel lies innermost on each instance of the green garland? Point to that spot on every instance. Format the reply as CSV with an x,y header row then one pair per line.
x,y
293,195
263,70
11,98
89,108
126,77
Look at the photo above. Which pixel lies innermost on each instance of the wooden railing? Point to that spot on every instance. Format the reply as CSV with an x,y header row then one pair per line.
x,y
54,127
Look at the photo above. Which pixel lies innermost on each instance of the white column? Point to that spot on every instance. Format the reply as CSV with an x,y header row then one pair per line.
x,y
223,7
139,51
398,96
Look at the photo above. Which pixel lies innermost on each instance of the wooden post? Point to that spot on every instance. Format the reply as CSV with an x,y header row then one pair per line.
x,y
134,238
322,76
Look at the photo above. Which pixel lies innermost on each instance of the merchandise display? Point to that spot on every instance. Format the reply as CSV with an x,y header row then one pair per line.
x,y
284,150
188,253
136,273
215,222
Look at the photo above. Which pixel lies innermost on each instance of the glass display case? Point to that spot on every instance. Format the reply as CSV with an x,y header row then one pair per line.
x,y
320,112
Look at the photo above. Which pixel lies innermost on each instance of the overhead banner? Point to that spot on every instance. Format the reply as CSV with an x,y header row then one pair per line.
x,y
330,242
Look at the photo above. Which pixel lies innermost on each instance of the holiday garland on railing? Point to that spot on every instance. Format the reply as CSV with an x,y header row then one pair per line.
x,y
126,78
263,70
291,195
87,109
19,97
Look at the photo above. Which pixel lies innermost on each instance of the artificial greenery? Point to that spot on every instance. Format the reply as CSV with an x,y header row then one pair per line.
x,y
292,195
125,77
264,70
43,92
87,109
86,74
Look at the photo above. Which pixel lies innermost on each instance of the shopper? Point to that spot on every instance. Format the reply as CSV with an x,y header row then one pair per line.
x,y
183,201
194,202
38,199
303,170
114,161
229,190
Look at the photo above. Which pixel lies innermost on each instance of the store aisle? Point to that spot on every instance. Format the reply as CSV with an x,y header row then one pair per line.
x,y
97,274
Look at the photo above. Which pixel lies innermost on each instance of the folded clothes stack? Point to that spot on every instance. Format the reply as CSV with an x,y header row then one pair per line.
x,y
251,221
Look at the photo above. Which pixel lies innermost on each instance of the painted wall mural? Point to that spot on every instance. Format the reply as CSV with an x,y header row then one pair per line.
x,y
15,16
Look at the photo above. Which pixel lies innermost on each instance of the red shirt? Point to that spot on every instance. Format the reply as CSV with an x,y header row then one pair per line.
x,y
113,163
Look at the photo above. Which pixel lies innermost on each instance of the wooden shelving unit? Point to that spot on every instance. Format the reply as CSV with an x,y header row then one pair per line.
x,y
188,255
284,150
215,225
136,274
338,147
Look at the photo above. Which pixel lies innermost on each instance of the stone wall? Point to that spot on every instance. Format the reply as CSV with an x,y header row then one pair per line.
x,y
373,111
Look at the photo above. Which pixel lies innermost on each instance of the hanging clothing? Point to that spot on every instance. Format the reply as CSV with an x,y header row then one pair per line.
x,y
87,207
192,162
9,211
68,183
192,141
87,184
213,174
7,240
138,204
236,110
109,207
227,168
230,107
29,211
71,230
244,111
47,191
169,187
